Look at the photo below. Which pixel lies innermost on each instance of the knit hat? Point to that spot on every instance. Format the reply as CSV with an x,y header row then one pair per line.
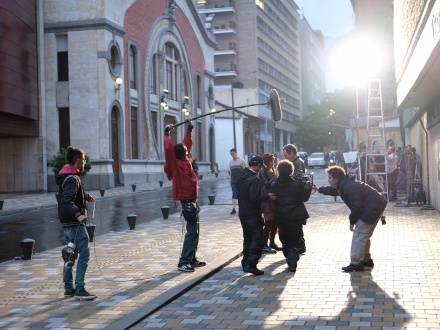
x,y
266,156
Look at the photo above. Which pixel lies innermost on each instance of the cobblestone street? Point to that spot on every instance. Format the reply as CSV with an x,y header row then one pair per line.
x,y
134,275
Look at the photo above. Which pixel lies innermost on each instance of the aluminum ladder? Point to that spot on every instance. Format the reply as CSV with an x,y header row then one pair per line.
x,y
375,136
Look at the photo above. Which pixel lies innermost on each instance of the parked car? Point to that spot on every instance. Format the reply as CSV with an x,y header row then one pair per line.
x,y
317,159
304,156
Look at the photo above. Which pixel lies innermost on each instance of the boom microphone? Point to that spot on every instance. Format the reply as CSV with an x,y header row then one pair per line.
x,y
274,102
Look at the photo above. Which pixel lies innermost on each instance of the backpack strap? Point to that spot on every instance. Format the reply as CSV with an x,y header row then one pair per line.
x,y
64,182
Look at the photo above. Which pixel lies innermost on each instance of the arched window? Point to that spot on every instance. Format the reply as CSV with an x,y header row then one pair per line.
x,y
153,75
132,54
171,70
185,84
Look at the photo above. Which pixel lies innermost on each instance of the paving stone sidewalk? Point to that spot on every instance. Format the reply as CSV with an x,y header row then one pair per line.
x,y
130,271
134,273
401,292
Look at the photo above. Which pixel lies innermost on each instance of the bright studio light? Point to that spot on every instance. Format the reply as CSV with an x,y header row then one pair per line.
x,y
357,61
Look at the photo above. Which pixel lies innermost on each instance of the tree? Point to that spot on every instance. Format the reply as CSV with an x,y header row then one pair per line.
x,y
325,126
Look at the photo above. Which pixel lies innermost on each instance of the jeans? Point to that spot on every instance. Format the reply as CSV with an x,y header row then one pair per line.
x,y
78,235
191,240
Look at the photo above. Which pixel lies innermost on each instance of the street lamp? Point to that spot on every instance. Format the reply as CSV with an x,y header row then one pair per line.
x,y
233,111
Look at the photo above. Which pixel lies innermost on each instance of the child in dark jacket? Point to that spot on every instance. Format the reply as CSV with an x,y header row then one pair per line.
x,y
290,211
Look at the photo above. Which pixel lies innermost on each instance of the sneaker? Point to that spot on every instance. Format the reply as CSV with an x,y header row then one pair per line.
x,y
185,268
368,264
84,295
253,270
197,263
352,268
233,212
69,293
267,249
275,247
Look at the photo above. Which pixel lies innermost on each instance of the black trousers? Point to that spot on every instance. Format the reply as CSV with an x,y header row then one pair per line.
x,y
291,235
392,187
252,240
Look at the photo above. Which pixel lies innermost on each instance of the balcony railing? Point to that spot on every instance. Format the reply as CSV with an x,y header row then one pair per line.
x,y
226,46
219,27
216,6
226,69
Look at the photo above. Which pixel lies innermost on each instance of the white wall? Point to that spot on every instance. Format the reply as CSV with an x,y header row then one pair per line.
x,y
224,141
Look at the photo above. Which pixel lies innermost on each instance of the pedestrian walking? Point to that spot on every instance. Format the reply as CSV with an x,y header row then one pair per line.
x,y
267,175
185,189
290,211
249,212
366,206
235,166
72,212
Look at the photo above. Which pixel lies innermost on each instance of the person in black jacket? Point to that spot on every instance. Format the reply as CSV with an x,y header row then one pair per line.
x,y
366,206
290,211
249,212
72,212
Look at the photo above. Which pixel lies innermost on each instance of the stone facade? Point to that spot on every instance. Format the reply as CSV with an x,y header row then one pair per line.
x,y
84,47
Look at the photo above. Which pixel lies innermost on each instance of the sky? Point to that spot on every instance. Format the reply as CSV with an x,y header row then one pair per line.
x,y
333,17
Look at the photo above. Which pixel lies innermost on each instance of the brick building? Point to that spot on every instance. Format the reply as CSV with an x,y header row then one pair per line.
x,y
112,74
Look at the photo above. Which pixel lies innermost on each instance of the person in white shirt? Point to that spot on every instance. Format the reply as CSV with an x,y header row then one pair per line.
x,y
235,166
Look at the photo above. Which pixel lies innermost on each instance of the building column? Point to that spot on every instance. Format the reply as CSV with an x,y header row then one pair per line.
x,y
281,139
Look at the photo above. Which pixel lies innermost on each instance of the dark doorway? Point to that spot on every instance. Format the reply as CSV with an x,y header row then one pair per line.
x,y
115,144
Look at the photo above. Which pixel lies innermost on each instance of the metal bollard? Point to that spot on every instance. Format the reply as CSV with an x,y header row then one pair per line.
x,y
160,183
102,191
131,218
200,177
1,204
211,199
165,211
216,175
27,246
133,187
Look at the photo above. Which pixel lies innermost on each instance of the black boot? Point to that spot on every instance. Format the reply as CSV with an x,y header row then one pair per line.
x,y
252,269
272,245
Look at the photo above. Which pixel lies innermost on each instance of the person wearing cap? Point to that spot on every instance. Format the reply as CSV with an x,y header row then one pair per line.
x,y
178,168
250,198
267,176
290,211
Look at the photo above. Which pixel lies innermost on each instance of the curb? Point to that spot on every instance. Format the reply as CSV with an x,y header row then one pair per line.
x,y
55,204
165,298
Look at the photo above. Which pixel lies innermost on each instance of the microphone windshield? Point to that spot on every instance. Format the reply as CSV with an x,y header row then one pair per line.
x,y
275,105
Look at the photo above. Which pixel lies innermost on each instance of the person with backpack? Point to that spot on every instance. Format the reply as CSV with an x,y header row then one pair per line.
x,y
366,205
72,212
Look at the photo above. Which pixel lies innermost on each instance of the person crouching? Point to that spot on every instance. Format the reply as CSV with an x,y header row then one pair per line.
x,y
249,212
290,211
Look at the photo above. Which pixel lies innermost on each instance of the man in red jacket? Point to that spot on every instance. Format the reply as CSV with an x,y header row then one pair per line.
x,y
178,169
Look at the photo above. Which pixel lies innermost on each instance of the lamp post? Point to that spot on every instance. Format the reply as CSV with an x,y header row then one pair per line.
x,y
233,111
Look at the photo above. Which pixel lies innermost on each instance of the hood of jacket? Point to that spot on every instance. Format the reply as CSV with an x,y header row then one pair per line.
x,y
65,171
283,181
347,178
246,173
